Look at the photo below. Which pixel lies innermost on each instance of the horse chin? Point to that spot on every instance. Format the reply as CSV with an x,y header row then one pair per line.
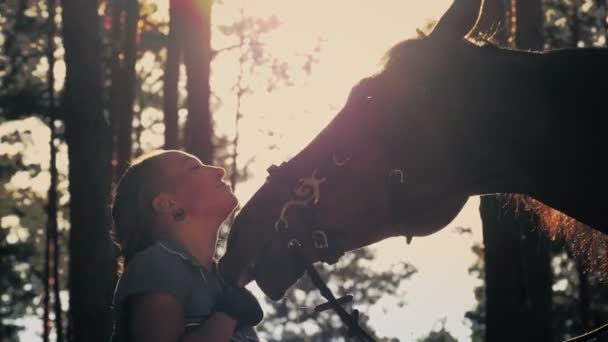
x,y
275,271
275,281
276,274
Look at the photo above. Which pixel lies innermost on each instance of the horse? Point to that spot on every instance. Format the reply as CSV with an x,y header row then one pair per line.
x,y
447,117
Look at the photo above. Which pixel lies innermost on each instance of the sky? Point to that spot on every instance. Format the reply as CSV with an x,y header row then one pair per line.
x,y
353,36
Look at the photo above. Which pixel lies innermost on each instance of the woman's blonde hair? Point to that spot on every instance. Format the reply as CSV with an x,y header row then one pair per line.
x,y
133,226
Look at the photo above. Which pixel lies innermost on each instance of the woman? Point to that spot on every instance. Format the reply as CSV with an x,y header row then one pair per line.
x,y
167,210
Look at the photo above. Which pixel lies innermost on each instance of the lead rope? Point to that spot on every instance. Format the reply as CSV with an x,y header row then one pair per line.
x,y
590,334
350,320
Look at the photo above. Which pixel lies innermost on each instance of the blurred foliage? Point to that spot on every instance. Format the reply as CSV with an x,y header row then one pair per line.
x,y
23,28
15,285
440,335
23,94
579,296
477,315
16,282
575,23
23,221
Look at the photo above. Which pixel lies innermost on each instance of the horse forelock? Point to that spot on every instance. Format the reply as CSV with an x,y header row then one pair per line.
x,y
404,52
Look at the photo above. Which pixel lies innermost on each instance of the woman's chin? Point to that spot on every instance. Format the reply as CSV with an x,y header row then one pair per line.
x,y
231,204
234,202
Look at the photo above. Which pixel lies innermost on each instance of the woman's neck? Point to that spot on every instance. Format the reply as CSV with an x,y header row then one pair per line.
x,y
199,238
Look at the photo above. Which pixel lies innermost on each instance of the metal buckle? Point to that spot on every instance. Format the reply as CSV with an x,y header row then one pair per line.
x,y
339,161
294,243
281,225
319,239
398,173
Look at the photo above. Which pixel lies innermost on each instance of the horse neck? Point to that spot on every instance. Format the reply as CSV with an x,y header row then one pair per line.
x,y
533,129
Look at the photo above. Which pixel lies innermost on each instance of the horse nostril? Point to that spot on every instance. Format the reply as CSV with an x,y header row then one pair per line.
x,y
340,159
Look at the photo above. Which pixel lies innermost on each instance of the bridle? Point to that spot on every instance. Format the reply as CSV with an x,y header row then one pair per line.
x,y
306,195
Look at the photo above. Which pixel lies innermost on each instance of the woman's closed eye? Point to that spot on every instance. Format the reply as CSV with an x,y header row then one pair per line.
x,y
194,165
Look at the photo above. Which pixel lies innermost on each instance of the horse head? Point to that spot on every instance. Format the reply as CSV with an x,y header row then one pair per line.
x,y
363,178
445,119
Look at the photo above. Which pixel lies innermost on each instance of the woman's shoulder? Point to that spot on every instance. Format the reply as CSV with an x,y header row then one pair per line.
x,y
154,259
153,269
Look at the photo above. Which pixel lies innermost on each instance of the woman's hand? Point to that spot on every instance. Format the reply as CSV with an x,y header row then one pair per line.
x,y
241,305
237,302
245,277
160,317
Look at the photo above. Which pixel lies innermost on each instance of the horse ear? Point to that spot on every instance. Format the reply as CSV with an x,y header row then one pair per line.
x,y
459,19
421,35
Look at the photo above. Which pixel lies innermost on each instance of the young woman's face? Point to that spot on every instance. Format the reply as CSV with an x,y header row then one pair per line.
x,y
198,188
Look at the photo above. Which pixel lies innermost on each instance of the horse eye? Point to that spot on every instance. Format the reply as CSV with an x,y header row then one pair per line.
x,y
340,158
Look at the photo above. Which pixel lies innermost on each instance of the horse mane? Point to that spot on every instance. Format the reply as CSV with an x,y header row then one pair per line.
x,y
588,245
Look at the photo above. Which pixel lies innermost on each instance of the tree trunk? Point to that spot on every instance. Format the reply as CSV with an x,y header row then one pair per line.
x,y
537,278
198,135
584,301
575,25
46,302
92,263
529,33
518,277
125,119
171,80
52,201
504,292
117,77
